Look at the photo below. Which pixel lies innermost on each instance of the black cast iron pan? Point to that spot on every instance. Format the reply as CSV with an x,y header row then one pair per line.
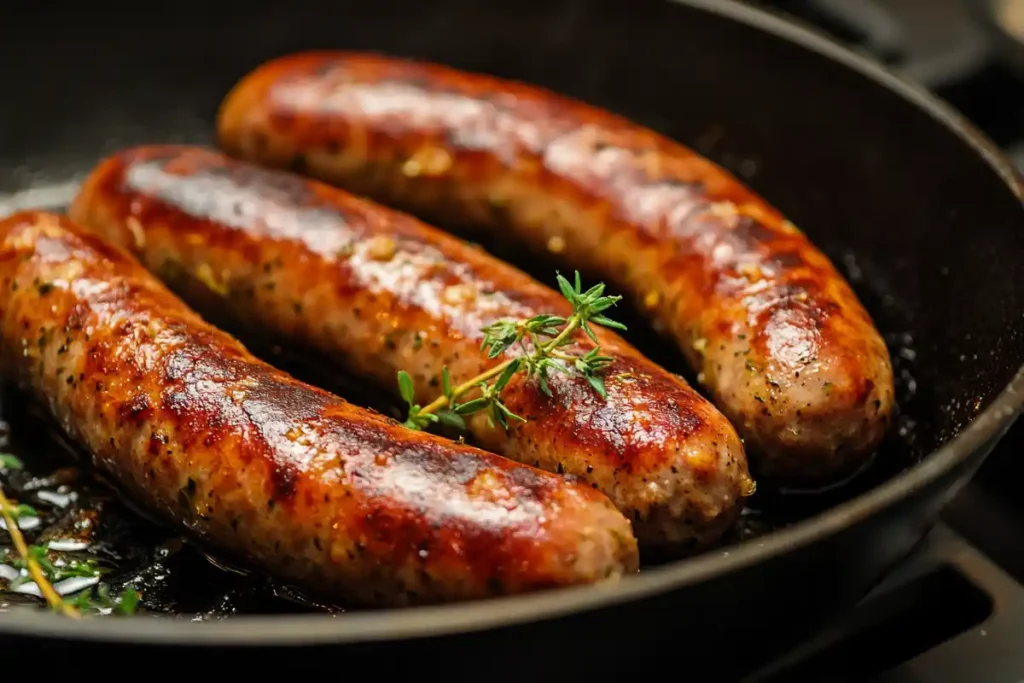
x,y
920,211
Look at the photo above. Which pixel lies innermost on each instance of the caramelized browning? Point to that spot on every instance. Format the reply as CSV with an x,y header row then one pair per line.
x,y
381,292
257,464
779,338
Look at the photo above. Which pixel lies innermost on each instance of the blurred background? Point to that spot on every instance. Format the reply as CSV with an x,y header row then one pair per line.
x,y
970,52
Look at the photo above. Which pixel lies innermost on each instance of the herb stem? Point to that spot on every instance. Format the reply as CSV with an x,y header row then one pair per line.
x,y
535,360
35,571
572,324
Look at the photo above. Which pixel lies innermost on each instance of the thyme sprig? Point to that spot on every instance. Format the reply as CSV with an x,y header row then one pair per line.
x,y
541,340
35,561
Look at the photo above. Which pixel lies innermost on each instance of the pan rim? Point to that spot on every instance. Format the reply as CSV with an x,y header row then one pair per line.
x,y
434,621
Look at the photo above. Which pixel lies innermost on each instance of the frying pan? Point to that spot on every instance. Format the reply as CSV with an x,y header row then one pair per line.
x,y
919,210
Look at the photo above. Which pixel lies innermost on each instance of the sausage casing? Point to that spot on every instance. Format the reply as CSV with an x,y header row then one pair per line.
x,y
379,292
774,332
243,456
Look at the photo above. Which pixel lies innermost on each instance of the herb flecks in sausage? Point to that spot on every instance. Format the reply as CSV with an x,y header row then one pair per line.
x,y
698,251
257,464
653,444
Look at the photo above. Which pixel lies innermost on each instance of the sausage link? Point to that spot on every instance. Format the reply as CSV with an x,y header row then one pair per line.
x,y
379,292
255,463
774,332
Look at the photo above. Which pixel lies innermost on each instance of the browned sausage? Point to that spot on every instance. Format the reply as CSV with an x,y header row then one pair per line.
x,y
257,464
380,292
775,333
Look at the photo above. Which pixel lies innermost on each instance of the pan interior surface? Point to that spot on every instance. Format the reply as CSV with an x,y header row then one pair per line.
x,y
918,211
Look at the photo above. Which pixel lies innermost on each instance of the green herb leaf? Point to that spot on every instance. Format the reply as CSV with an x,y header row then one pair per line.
x,y
499,336
598,384
10,462
504,410
542,382
21,510
497,415
594,293
128,602
607,322
545,325
405,387
506,375
565,287
472,406
82,601
40,555
451,418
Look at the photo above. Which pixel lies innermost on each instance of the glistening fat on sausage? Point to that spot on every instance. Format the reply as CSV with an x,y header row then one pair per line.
x,y
380,292
783,344
320,492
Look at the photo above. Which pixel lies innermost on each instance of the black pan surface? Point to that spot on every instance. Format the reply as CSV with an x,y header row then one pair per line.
x,y
918,210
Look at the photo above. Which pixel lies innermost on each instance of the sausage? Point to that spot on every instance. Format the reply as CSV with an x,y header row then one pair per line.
x,y
773,331
378,291
254,463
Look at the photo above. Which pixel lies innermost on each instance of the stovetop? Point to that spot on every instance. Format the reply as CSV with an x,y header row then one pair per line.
x,y
969,52
949,615
953,613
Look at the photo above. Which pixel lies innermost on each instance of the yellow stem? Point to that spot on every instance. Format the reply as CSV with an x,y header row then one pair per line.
x,y
34,570
571,326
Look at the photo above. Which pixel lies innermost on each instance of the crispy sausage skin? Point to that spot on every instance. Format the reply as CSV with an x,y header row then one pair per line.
x,y
323,493
379,292
777,336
